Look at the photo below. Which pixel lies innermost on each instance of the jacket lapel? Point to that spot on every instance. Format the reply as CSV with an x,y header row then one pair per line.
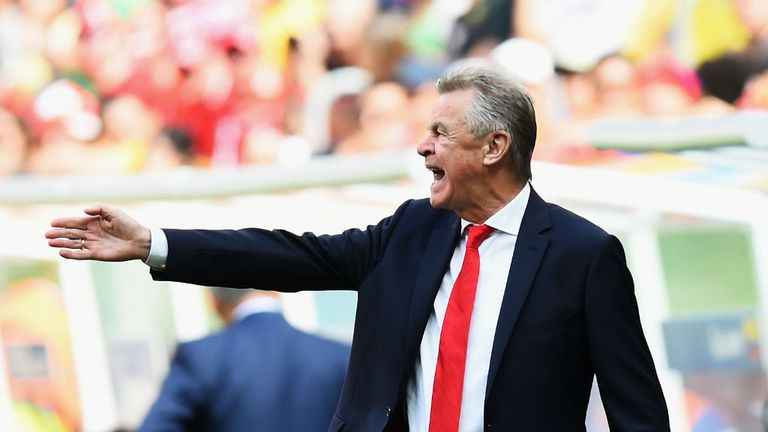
x,y
432,268
529,250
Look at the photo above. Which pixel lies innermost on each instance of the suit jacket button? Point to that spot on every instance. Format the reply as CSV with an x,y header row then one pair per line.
x,y
389,411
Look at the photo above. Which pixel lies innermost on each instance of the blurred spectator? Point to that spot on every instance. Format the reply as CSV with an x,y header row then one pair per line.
x,y
650,31
419,111
258,374
755,95
667,88
382,120
578,32
580,93
199,29
207,103
727,75
483,26
171,148
719,28
725,400
13,144
537,74
382,47
155,73
24,69
344,117
575,106
129,128
307,58
245,79
335,84
346,23
617,86
427,40
280,20
386,116
754,16
63,119
107,57
10,23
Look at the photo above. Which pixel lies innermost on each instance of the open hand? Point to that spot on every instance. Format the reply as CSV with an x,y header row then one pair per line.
x,y
106,234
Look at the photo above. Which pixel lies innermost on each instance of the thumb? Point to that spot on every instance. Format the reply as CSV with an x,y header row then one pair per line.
x,y
96,210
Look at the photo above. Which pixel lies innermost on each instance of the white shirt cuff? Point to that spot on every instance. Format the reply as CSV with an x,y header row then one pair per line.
x,y
158,249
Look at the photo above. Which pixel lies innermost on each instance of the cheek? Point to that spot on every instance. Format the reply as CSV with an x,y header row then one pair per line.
x,y
463,165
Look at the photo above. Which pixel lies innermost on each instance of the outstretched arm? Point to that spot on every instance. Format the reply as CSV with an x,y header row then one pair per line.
x,y
105,234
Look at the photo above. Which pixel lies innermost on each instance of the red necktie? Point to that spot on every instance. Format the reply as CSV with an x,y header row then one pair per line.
x,y
452,357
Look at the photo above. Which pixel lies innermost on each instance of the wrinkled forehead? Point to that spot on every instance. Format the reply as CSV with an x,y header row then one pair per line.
x,y
451,107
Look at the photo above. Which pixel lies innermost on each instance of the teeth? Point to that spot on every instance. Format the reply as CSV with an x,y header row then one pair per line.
x,y
437,173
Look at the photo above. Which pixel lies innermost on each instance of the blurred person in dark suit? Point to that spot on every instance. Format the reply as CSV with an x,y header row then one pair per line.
x,y
481,308
259,374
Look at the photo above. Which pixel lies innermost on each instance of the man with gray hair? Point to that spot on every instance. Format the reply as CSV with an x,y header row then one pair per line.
x,y
483,308
259,373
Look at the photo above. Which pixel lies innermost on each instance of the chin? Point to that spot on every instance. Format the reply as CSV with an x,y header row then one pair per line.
x,y
438,202
439,196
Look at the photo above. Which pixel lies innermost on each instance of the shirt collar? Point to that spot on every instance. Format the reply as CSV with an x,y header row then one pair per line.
x,y
509,217
256,305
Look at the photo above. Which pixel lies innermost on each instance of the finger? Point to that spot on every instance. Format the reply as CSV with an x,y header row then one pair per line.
x,y
66,233
72,222
68,243
76,254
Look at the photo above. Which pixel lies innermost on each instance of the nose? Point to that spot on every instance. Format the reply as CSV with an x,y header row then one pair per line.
x,y
426,147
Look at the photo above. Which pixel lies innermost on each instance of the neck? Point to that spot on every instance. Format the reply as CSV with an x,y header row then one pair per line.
x,y
492,200
227,312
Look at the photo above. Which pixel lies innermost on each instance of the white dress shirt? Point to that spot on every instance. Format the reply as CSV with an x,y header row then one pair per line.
x,y
158,249
495,258
256,305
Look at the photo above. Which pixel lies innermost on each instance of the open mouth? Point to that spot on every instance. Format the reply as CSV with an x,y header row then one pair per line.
x,y
437,173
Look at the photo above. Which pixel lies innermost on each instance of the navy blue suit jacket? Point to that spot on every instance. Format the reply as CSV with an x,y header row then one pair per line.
x,y
568,312
260,374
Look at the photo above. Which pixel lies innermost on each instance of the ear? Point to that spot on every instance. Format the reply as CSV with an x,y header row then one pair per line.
x,y
496,148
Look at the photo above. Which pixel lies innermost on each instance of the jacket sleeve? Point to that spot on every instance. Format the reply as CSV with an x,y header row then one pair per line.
x,y
179,404
626,375
276,260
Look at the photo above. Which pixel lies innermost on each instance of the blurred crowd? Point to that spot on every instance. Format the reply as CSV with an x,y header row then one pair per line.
x,y
123,86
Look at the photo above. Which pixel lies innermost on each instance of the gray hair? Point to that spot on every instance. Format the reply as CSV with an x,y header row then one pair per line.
x,y
500,104
229,296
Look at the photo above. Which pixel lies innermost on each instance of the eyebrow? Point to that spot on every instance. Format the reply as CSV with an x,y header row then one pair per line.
x,y
441,128
437,126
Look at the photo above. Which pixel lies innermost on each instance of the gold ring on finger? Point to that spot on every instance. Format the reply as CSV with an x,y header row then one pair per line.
x,y
82,243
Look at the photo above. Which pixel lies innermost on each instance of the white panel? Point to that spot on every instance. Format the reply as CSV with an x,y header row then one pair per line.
x,y
89,350
651,292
